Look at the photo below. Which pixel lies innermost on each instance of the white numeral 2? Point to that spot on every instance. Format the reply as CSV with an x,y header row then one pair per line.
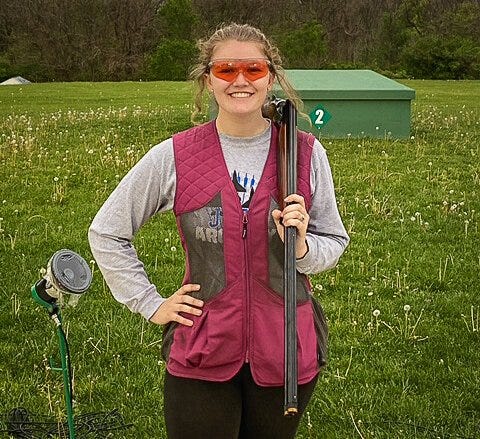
x,y
319,113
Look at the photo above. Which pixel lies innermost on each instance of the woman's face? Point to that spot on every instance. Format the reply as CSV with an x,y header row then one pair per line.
x,y
240,96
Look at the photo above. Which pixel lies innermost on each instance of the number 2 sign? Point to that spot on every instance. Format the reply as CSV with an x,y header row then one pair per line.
x,y
320,116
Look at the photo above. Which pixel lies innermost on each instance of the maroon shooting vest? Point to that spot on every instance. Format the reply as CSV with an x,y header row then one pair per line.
x,y
237,258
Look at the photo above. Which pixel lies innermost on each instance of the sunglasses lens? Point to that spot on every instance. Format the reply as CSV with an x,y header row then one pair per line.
x,y
256,70
229,70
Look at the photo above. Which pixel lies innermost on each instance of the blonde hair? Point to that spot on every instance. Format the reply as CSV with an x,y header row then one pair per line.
x,y
243,33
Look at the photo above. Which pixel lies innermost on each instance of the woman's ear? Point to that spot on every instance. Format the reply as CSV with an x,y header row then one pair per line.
x,y
208,82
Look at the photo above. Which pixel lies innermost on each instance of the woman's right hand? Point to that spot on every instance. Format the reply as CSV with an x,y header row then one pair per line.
x,y
180,301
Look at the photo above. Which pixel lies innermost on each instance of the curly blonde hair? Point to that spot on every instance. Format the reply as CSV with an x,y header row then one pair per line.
x,y
243,33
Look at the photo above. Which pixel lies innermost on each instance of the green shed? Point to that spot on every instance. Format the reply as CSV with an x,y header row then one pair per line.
x,y
357,103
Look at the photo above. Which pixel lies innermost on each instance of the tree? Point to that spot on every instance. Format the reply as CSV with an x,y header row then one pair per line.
x,y
392,37
126,39
88,40
451,49
178,19
172,60
304,47
175,52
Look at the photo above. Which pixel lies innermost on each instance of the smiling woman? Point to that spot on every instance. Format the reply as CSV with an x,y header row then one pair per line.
x,y
239,88
235,45
223,337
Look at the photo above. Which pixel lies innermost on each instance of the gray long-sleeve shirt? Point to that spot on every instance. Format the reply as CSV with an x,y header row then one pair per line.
x,y
149,188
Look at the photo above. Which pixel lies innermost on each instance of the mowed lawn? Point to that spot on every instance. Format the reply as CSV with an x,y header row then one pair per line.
x,y
403,305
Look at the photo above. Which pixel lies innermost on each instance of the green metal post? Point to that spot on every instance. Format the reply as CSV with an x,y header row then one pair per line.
x,y
64,355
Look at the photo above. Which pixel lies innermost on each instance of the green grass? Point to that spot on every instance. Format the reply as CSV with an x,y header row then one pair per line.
x,y
411,208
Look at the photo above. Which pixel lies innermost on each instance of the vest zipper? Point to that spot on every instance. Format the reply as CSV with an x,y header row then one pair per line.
x,y
247,279
244,225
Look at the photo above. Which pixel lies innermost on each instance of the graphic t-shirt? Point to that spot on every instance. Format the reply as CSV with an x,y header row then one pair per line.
x,y
245,159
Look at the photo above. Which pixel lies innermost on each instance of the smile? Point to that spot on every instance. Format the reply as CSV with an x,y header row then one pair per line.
x,y
241,95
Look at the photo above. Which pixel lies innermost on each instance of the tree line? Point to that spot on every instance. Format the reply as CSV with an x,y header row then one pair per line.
x,y
96,40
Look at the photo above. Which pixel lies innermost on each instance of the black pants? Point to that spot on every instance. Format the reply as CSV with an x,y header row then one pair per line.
x,y
235,409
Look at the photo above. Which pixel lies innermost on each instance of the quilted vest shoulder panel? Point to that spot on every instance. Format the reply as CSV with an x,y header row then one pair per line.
x,y
198,161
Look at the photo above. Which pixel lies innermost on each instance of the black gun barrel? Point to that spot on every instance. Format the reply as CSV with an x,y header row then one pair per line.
x,y
290,272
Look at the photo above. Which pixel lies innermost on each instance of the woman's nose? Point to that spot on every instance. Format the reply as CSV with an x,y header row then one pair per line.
x,y
240,79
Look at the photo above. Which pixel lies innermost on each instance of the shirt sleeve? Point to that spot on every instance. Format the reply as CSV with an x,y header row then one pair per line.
x,y
326,234
147,189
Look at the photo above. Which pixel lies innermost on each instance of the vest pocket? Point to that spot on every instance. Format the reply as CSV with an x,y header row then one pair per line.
x,y
214,340
268,339
321,330
195,342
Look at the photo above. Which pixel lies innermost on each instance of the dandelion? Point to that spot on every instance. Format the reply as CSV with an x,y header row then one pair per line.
x,y
376,313
55,179
406,308
309,422
173,248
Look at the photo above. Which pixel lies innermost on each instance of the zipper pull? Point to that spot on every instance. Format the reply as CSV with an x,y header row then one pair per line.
x,y
244,228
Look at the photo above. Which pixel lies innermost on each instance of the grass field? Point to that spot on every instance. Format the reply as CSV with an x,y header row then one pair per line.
x,y
403,305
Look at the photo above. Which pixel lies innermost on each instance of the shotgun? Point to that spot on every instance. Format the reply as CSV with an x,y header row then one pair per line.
x,y
285,113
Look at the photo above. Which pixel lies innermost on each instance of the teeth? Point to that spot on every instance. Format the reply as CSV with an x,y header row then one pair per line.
x,y
240,95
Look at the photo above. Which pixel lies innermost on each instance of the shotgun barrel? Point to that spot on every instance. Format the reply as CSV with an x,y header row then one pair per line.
x,y
290,272
284,112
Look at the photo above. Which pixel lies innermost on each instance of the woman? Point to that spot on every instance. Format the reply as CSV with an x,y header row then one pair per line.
x,y
223,335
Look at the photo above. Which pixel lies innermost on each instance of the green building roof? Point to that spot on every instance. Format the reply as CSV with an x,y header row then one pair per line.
x,y
347,84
